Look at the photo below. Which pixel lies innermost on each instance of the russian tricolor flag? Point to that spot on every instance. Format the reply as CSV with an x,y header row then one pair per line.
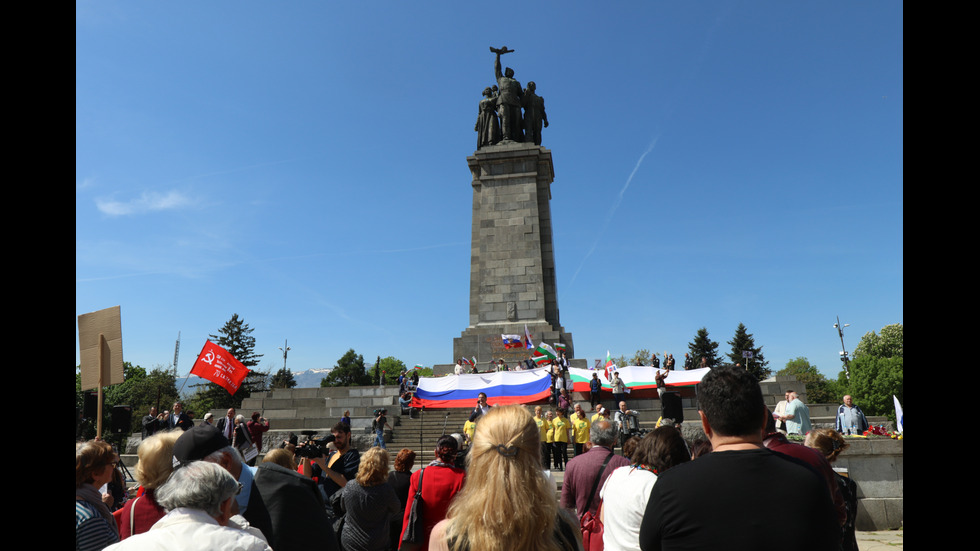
x,y
503,387
512,341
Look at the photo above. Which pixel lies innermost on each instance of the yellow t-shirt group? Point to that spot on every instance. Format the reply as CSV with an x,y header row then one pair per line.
x,y
561,425
555,430
544,427
580,429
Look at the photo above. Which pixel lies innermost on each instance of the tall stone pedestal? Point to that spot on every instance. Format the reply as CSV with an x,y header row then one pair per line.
x,y
512,266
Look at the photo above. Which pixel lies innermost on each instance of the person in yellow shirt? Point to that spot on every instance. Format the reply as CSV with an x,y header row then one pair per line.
x,y
562,427
550,436
580,429
600,413
469,427
544,426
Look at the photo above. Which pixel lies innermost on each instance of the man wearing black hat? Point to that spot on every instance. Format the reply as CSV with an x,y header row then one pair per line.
x,y
284,505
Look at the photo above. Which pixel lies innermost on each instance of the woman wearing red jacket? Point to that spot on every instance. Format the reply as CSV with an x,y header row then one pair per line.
x,y
441,480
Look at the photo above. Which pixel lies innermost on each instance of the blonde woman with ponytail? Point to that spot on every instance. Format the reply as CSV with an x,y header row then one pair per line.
x,y
506,503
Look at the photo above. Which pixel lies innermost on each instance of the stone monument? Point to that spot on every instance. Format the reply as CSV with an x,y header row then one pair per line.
x,y
512,263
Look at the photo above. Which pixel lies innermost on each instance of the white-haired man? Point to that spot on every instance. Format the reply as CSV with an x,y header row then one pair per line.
x,y
200,501
850,418
797,416
285,506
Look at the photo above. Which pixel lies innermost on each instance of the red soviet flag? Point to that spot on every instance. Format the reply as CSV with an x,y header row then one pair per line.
x,y
218,366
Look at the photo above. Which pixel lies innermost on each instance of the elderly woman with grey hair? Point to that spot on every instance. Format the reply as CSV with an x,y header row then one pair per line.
x,y
199,499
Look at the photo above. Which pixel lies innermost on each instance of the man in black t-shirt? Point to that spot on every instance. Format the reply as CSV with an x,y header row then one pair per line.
x,y
341,465
725,499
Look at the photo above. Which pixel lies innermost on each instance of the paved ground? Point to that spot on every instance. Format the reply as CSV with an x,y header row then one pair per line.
x,y
884,540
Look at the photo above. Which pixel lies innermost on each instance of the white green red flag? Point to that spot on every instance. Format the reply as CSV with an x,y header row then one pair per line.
x,y
540,359
544,350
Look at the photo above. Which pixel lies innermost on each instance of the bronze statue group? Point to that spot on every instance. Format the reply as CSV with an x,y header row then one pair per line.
x,y
500,117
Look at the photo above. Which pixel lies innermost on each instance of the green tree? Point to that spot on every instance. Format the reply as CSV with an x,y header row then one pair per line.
x,y
819,389
888,344
391,367
873,382
642,357
703,347
743,341
423,372
282,379
349,371
235,337
877,372
139,390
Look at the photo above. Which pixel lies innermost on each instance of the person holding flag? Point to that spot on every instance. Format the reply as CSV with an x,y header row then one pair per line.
x,y
618,388
609,366
544,350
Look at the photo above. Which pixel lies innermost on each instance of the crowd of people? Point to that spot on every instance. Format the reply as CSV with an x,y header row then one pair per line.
x,y
493,489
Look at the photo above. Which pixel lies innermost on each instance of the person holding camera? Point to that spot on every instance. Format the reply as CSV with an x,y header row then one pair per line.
x,y
153,422
341,465
380,422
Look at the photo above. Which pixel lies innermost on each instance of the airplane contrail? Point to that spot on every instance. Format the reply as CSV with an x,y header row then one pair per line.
x,y
615,206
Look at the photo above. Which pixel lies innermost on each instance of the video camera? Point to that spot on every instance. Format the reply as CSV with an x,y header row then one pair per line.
x,y
631,427
312,447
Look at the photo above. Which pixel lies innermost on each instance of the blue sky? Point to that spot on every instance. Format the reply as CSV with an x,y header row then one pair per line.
x,y
303,165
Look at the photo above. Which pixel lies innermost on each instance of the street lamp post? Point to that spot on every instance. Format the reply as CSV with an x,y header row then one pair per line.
x,y
843,351
285,351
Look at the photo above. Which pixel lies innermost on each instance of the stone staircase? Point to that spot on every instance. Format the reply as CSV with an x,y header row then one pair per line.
x,y
296,409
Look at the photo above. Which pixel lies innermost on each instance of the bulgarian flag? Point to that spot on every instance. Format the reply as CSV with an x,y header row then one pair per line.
x,y
559,347
610,366
418,366
544,350
540,359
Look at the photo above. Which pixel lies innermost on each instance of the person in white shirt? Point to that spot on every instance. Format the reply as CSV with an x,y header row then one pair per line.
x,y
199,499
626,491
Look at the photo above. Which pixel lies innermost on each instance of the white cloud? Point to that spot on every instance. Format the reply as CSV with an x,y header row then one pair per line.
x,y
147,202
84,184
